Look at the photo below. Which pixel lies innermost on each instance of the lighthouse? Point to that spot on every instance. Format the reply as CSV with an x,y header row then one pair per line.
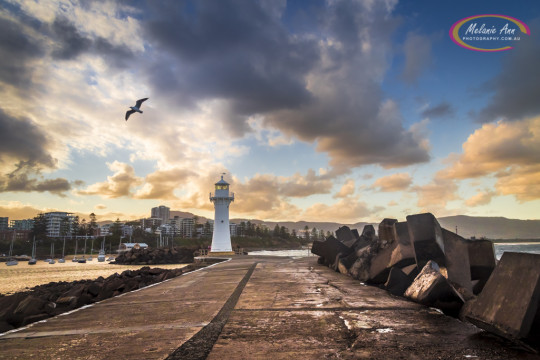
x,y
221,240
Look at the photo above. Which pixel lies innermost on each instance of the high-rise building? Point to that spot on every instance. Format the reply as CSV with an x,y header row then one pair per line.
x,y
162,212
26,224
58,223
4,223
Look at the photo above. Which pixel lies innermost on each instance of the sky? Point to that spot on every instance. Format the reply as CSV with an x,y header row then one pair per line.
x,y
333,110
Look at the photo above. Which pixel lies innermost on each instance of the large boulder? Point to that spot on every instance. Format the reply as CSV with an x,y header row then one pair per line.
x,y
456,256
403,253
426,236
331,250
482,262
346,236
431,288
397,282
509,305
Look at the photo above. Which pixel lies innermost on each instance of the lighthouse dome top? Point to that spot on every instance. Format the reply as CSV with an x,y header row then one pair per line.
x,y
222,182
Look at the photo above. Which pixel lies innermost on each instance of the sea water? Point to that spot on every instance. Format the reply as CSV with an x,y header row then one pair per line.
x,y
500,248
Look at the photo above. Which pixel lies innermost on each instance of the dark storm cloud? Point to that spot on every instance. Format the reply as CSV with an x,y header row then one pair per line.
x,y
25,183
516,88
70,43
441,110
18,51
417,50
24,142
232,50
243,54
24,146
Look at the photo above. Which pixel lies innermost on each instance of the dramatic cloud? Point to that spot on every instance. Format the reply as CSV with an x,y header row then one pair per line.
x,y
434,196
481,198
121,183
162,184
19,52
346,210
509,150
346,190
442,110
23,143
394,182
417,49
517,86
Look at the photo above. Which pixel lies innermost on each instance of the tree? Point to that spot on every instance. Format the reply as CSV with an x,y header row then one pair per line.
x,y
65,226
293,234
276,231
83,229
314,234
207,229
75,226
283,232
306,232
40,227
92,225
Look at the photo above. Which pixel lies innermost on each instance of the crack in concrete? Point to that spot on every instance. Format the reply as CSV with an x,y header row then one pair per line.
x,y
200,345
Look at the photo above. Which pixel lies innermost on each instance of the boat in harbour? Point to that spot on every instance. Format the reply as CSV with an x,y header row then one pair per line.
x,y
63,260
101,255
33,260
52,261
11,261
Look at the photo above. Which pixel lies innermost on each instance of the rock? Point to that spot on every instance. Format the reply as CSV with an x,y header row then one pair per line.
x,y
5,326
397,282
76,291
94,288
482,262
403,254
386,230
33,318
456,256
368,232
346,236
70,301
31,305
509,304
426,236
431,288
331,249
411,271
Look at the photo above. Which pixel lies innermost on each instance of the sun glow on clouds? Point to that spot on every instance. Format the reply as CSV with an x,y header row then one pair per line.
x,y
218,102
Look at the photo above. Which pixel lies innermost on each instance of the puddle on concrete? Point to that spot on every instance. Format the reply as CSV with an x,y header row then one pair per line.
x,y
385,331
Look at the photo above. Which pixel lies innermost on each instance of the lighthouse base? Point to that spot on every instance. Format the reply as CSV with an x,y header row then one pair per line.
x,y
221,253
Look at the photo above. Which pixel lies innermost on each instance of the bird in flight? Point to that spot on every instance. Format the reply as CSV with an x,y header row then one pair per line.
x,y
136,108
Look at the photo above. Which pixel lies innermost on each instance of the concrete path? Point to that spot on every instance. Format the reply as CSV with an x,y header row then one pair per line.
x,y
256,308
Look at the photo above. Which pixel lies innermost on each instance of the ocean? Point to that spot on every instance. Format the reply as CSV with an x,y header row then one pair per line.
x,y
500,248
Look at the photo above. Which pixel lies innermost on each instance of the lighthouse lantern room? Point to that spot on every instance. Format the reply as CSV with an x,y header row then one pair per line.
x,y
221,239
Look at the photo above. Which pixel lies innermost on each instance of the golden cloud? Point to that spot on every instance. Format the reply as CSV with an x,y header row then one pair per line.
x,y
346,190
509,150
118,185
394,182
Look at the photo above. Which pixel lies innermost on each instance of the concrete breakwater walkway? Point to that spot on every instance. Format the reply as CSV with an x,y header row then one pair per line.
x,y
256,308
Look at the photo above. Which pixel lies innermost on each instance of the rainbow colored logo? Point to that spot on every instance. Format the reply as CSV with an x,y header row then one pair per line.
x,y
488,33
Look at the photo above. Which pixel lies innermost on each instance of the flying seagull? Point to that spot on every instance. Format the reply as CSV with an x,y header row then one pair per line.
x,y
136,108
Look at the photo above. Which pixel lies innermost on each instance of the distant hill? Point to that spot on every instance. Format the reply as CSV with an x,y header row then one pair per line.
x,y
492,227
467,226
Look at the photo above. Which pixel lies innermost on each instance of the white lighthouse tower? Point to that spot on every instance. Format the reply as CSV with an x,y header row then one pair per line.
x,y
221,240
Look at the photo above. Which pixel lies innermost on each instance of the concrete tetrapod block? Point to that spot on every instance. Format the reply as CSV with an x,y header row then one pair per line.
x,y
368,232
397,282
509,304
403,254
331,249
386,230
482,262
431,288
426,236
456,255
372,262
346,236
